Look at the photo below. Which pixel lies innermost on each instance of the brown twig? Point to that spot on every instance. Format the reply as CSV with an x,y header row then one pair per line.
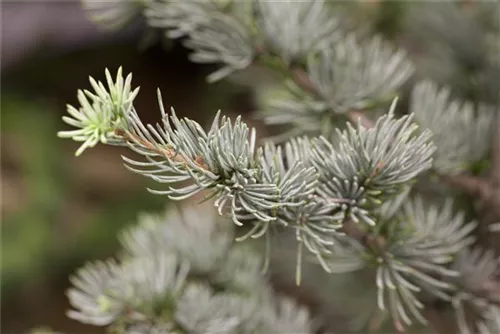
x,y
300,77
470,184
375,243
166,152
467,4
437,321
356,115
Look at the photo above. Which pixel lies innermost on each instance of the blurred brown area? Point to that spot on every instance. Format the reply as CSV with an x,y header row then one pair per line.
x,y
59,211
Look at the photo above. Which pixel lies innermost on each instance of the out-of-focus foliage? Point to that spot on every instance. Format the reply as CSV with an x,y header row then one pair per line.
x,y
472,127
180,272
324,188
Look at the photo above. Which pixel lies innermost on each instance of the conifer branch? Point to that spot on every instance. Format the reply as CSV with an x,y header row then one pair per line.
x,y
342,199
469,184
162,151
370,241
305,184
474,134
180,272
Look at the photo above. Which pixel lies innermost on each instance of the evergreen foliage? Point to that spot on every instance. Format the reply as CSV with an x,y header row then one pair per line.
x,y
346,194
180,272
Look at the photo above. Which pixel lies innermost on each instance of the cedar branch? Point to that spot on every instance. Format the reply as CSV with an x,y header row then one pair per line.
x,y
166,152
